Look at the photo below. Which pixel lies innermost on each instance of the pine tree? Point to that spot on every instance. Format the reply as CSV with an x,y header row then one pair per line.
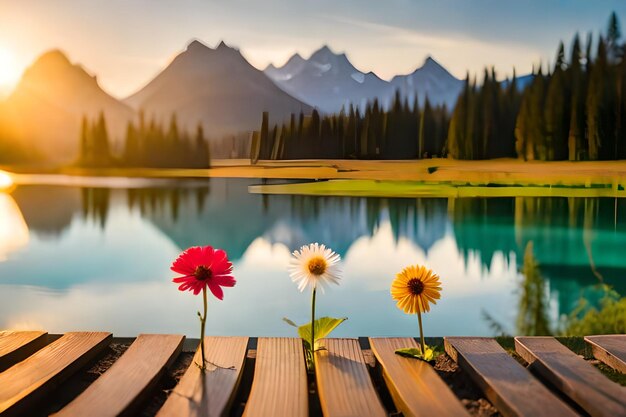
x,y
202,149
101,149
600,107
576,77
557,110
456,143
615,50
264,140
132,150
174,153
85,152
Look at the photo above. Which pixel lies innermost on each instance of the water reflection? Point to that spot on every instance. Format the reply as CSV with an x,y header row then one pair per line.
x,y
13,229
96,254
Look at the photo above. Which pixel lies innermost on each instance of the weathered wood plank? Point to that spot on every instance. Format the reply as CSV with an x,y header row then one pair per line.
x,y
16,346
508,385
127,383
569,373
279,387
414,385
209,393
26,382
610,349
343,382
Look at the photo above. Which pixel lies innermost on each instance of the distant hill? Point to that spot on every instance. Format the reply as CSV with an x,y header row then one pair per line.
x,y
521,82
328,81
44,111
216,87
432,80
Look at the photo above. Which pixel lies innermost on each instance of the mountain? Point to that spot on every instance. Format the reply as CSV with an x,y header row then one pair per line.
x,y
328,81
44,111
521,82
216,87
430,79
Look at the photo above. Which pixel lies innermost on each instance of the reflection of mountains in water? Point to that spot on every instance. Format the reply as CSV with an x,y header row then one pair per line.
x,y
232,219
575,239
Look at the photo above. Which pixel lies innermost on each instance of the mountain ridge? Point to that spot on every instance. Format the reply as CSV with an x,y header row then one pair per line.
x,y
330,82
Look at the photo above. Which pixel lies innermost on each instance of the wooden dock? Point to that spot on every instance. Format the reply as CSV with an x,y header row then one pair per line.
x,y
267,377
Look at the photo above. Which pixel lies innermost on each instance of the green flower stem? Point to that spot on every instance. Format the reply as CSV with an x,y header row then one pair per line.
x,y
313,327
202,325
419,320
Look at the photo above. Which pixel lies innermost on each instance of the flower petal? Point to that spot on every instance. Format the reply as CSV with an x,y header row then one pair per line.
x,y
217,291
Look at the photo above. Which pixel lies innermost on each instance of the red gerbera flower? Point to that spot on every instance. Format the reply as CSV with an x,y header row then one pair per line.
x,y
204,267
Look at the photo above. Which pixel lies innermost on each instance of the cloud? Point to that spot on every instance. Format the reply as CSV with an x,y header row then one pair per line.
x,y
457,52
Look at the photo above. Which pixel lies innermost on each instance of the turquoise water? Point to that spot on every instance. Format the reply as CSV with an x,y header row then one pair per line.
x,y
77,257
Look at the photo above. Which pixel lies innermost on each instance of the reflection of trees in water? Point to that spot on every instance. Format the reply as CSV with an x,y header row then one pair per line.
x,y
532,317
605,316
149,201
95,204
574,238
166,201
562,229
484,227
532,309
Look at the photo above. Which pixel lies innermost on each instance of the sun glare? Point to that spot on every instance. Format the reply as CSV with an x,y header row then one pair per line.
x,y
9,72
6,181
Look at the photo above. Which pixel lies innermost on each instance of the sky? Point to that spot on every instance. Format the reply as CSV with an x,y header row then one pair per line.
x,y
126,43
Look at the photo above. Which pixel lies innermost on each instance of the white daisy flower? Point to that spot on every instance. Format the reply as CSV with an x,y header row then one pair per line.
x,y
314,264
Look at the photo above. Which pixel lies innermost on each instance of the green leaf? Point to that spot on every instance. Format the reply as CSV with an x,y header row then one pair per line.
x,y
430,354
323,327
289,322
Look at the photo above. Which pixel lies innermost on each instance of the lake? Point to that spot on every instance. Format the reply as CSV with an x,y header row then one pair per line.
x,y
81,255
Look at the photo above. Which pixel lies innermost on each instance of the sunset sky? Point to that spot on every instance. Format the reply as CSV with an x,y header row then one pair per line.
x,y
127,42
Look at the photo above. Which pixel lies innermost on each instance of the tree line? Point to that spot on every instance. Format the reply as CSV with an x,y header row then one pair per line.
x,y
404,131
578,110
575,110
147,144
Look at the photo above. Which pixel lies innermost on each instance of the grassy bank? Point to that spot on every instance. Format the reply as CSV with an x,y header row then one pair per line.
x,y
497,170
412,189
428,172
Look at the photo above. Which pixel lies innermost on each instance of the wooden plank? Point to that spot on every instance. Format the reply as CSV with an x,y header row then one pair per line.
x,y
209,393
26,382
279,387
16,346
343,381
610,349
414,385
570,374
508,385
130,380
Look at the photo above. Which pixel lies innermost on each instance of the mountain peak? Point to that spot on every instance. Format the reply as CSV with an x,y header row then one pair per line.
x,y
222,45
322,54
295,58
325,49
430,62
431,66
196,45
54,58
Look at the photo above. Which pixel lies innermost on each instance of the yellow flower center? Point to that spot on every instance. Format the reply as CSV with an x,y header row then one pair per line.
x,y
317,265
203,273
416,286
